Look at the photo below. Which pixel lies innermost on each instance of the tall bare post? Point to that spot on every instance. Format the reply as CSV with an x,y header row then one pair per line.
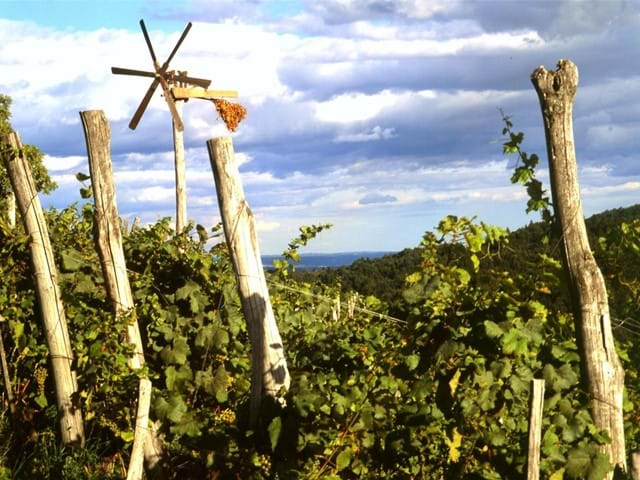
x,y
269,367
535,429
108,240
181,183
601,371
45,273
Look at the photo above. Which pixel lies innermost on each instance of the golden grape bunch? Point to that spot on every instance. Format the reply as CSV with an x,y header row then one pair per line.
x,y
41,377
231,113
227,416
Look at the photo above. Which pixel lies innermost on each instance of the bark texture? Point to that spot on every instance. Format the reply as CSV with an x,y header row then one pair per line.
x,y
45,273
535,429
108,240
601,370
11,209
269,367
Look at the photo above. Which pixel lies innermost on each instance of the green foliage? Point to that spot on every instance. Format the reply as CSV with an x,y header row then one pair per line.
x,y
33,154
525,171
5,114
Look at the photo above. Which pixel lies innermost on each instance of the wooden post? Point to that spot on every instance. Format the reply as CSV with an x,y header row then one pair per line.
x,y
601,371
635,466
5,371
142,432
11,209
108,240
181,183
45,273
269,367
535,428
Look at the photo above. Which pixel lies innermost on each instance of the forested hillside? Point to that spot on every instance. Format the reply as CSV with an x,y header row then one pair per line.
x,y
384,277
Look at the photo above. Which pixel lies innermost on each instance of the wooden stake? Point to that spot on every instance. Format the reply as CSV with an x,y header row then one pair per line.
x,y
141,431
108,240
181,184
5,370
45,273
535,428
269,368
600,367
635,466
11,209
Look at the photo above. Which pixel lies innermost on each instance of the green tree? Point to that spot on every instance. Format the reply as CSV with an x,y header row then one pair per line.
x,y
44,183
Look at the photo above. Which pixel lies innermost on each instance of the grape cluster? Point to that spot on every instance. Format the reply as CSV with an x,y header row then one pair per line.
x,y
265,464
40,376
231,113
108,423
227,416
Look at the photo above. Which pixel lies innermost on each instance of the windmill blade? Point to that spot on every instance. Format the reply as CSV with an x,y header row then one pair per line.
x,y
143,105
149,46
129,71
175,49
168,96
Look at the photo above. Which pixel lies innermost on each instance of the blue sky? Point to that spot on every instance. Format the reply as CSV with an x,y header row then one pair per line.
x,y
379,116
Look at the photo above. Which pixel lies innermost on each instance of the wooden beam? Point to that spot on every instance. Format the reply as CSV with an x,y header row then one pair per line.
x,y
185,93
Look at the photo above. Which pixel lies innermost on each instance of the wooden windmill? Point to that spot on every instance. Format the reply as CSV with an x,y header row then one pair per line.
x,y
177,87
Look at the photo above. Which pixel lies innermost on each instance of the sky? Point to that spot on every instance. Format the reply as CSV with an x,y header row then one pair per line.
x,y
378,116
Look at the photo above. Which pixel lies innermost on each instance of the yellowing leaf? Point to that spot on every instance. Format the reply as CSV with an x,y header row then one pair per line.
x,y
414,278
453,383
454,446
557,475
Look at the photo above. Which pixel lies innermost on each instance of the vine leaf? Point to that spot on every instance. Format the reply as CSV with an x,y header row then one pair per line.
x,y
274,429
344,458
454,446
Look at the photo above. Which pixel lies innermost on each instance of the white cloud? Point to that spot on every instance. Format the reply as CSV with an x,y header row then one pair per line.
x,y
55,164
265,226
376,133
154,194
610,189
356,107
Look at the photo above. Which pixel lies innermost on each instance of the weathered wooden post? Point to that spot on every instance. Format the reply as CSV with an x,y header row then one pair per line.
x,y
181,182
535,428
269,367
6,377
635,466
45,273
11,209
601,371
108,240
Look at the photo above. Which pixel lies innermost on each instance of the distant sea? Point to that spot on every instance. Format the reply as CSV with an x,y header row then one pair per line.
x,y
321,260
